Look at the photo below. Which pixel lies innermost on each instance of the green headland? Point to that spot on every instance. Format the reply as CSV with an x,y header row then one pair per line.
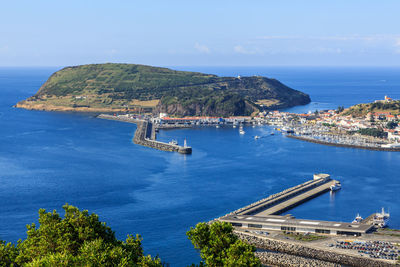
x,y
129,87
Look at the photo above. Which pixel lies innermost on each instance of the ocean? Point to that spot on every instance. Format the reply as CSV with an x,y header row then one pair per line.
x,y
48,159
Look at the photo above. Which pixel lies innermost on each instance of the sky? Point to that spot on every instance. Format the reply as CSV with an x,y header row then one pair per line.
x,y
200,33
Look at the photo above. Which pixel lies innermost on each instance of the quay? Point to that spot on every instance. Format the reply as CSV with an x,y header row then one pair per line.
x,y
264,214
145,135
290,197
321,142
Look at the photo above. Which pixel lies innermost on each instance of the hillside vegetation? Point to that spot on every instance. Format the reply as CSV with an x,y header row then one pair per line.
x,y
361,110
130,86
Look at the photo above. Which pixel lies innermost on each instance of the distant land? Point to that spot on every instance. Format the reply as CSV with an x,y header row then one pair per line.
x,y
115,87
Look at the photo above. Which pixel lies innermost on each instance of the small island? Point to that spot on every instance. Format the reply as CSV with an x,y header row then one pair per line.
x,y
132,88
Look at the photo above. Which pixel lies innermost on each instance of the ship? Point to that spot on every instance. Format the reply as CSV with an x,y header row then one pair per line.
x,y
381,219
335,186
358,219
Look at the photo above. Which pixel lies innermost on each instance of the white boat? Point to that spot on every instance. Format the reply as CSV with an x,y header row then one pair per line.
x,y
256,137
234,126
241,131
381,219
335,186
217,126
358,219
173,142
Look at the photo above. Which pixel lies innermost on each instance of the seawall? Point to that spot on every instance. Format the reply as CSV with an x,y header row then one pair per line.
x,y
145,135
312,140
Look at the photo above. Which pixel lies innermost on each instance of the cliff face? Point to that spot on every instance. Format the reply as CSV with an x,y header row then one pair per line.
x,y
131,87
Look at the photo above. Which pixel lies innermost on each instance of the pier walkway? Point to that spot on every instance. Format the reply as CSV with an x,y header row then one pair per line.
x,y
289,198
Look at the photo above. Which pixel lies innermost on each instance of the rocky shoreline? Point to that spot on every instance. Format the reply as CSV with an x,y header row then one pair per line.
x,y
306,256
48,107
287,260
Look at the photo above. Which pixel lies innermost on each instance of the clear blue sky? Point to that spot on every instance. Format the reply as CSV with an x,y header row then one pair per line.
x,y
195,33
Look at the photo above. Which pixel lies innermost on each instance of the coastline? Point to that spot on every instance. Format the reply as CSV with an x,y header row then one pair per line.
x,y
312,140
42,107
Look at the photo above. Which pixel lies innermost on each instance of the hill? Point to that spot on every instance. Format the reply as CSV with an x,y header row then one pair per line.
x,y
121,87
362,110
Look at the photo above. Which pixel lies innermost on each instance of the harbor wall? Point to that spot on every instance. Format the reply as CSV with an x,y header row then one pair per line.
x,y
145,135
301,250
312,140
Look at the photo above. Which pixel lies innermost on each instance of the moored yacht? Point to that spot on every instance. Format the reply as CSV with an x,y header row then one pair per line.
x,y
241,131
173,142
358,219
335,186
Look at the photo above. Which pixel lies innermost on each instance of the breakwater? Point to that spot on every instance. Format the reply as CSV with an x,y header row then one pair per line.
x,y
306,252
313,140
145,135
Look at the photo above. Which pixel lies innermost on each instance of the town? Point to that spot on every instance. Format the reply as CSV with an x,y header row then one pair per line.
x,y
375,130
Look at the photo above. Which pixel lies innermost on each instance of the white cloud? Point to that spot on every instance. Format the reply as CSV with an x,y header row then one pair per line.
x,y
351,37
202,48
241,50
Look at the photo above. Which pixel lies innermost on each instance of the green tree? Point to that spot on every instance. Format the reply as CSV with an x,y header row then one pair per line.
x,y
218,245
340,109
78,239
391,125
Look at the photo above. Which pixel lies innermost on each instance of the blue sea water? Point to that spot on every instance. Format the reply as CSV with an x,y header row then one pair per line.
x,y
50,158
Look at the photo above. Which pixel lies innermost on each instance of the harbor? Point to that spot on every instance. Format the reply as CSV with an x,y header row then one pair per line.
x,y
355,243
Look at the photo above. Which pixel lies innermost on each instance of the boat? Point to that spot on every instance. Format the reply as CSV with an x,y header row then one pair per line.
x,y
173,142
234,126
256,137
358,219
272,133
241,131
381,219
335,186
217,126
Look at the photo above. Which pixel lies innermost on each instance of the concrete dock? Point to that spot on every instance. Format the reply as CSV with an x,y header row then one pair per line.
x,y
145,135
289,198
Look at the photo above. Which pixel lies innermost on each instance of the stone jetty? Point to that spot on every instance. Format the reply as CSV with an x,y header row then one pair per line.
x,y
145,135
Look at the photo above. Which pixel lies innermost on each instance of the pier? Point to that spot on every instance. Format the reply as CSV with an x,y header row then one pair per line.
x,y
145,135
265,214
290,197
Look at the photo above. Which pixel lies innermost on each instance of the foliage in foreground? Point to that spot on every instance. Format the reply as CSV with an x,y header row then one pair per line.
x,y
78,239
218,246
